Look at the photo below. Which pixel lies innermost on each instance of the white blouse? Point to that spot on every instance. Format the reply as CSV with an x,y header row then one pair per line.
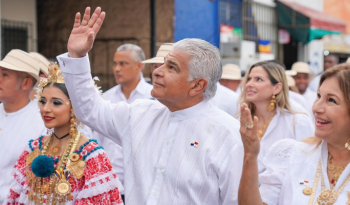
x,y
285,126
288,163
16,129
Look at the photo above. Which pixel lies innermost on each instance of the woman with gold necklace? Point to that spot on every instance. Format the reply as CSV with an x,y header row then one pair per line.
x,y
64,167
265,91
315,171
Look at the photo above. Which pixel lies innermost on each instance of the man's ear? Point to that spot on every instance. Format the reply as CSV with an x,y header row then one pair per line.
x,y
140,66
27,83
198,86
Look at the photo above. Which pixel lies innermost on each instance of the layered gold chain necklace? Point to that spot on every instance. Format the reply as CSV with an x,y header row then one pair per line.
x,y
262,131
327,196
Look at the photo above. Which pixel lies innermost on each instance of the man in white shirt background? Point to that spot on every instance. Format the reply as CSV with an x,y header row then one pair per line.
x,y
177,150
20,118
302,82
127,70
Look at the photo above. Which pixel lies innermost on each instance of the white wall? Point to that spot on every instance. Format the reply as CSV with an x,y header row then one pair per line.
x,y
314,4
22,10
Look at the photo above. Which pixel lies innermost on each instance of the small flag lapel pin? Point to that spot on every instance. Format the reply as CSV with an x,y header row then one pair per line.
x,y
194,144
304,182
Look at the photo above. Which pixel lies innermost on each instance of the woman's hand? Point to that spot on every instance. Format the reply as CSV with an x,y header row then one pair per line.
x,y
249,132
83,34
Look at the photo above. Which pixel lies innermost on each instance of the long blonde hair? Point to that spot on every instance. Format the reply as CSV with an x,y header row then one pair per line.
x,y
276,75
342,73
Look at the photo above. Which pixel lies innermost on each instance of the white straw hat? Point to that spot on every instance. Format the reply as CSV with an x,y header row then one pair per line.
x,y
290,81
19,60
231,72
301,67
163,50
44,63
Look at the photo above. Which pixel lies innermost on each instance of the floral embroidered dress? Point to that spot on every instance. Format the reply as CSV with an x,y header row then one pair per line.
x,y
99,184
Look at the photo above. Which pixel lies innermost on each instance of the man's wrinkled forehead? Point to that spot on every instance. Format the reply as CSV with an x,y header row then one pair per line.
x,y
178,57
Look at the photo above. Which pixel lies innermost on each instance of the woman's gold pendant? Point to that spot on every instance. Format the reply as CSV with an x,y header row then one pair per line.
x,y
56,149
62,188
45,188
327,197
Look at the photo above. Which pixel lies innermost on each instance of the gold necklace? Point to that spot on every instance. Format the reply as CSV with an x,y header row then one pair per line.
x,y
262,131
336,171
327,196
60,190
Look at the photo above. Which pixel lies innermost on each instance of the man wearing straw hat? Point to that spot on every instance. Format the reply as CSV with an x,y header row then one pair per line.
x,y
158,60
231,77
20,118
302,82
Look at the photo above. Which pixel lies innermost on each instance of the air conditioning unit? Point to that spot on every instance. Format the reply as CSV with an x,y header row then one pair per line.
x,y
241,49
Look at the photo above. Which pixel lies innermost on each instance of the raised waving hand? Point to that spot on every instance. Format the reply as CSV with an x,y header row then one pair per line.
x,y
84,32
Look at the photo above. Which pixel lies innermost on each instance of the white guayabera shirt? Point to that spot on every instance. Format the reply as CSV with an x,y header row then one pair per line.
x,y
291,167
115,95
192,156
16,129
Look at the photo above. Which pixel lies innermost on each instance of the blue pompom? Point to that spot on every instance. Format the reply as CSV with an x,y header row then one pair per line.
x,y
42,166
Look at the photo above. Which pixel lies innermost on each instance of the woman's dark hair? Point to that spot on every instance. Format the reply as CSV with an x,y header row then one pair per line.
x,y
60,86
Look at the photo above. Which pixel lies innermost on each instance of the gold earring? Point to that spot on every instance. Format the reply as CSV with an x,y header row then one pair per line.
x,y
347,145
73,120
271,107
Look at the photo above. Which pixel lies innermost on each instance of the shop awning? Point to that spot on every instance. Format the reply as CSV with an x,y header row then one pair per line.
x,y
305,24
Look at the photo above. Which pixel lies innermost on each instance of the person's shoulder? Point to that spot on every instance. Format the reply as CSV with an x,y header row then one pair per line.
x,y
109,92
223,119
36,143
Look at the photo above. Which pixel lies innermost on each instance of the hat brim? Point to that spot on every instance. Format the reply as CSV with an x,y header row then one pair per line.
x,y
291,72
228,77
12,67
154,60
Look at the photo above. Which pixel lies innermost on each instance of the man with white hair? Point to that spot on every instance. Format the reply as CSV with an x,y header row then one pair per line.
x,y
20,119
127,70
177,150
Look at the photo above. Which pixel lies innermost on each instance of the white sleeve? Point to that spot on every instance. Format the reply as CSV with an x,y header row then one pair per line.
x,y
276,162
89,107
304,127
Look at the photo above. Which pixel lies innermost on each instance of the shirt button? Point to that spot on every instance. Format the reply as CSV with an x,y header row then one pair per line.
x,y
154,193
167,142
172,116
161,169
0,129
6,115
64,63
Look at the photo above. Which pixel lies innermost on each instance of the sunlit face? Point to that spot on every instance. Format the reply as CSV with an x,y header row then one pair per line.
x,y
301,81
125,69
170,81
9,87
54,108
259,87
331,112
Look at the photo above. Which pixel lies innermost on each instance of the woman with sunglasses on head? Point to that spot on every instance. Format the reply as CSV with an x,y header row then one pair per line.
x,y
265,91
64,167
315,171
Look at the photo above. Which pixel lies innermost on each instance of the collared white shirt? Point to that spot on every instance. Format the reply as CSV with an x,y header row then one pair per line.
x,y
142,91
287,164
226,100
16,129
284,126
162,163
313,85
115,95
